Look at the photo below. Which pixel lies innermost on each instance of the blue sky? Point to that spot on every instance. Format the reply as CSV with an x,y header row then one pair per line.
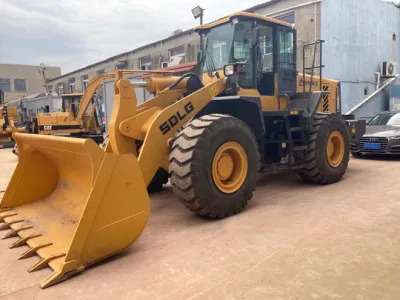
x,y
75,33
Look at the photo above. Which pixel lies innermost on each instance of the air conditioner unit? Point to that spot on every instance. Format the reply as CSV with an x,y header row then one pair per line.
x,y
388,69
164,64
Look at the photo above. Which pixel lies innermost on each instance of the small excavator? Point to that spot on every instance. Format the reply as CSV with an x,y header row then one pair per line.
x,y
75,204
76,120
80,115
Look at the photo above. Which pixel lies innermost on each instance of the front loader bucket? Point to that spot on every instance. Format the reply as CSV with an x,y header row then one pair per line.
x,y
72,204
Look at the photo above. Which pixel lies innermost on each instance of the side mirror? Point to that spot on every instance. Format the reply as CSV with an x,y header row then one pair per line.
x,y
255,36
200,55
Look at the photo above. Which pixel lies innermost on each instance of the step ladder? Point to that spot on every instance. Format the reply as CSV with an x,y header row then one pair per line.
x,y
296,132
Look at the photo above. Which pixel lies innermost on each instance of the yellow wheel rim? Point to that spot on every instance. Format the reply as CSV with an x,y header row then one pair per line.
x,y
229,167
335,149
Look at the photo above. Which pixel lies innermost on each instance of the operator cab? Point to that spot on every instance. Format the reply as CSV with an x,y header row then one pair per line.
x,y
71,103
263,48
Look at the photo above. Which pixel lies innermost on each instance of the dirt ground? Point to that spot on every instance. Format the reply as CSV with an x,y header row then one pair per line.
x,y
295,241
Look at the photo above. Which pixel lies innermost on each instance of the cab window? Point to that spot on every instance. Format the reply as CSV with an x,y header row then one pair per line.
x,y
286,49
266,49
266,80
230,43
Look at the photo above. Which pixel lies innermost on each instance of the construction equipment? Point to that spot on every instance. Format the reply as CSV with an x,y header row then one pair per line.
x,y
8,117
75,119
247,113
80,115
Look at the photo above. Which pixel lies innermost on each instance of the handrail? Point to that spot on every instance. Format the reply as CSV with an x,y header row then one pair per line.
x,y
372,95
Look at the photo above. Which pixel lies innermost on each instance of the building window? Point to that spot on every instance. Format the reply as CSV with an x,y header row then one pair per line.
x,y
288,18
60,89
85,80
19,85
145,63
5,84
101,71
164,64
71,82
177,56
122,65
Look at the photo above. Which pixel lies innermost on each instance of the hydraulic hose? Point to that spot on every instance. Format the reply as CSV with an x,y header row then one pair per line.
x,y
183,77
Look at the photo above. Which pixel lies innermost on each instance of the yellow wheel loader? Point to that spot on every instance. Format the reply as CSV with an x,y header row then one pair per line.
x,y
74,204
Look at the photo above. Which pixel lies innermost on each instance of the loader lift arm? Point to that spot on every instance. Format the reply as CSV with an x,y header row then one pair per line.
x,y
162,122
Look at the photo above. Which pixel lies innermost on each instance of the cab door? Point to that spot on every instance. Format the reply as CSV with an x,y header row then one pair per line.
x,y
265,64
286,61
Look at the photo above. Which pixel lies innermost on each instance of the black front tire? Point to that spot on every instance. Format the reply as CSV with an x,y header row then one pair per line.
x,y
191,162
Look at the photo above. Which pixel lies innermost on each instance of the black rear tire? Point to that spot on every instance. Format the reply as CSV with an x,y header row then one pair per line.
x,y
191,161
317,169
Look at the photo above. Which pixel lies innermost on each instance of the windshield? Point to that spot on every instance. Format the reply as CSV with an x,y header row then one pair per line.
x,y
386,119
229,43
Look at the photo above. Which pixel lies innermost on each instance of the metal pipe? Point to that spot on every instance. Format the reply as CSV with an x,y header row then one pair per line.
x,y
371,96
378,80
315,21
201,35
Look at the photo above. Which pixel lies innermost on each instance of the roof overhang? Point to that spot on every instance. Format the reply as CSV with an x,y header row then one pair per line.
x,y
242,14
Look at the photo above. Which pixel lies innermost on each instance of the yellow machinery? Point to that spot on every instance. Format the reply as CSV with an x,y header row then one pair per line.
x,y
245,113
7,125
75,119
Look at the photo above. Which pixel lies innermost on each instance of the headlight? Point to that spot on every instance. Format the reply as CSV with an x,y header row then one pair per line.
x,y
232,69
229,70
396,137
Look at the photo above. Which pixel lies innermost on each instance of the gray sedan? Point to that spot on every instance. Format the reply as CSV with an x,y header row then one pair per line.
x,y
382,135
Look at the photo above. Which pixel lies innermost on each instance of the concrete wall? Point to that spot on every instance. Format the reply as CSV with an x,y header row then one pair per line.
x,y
307,22
33,79
159,52
37,105
358,36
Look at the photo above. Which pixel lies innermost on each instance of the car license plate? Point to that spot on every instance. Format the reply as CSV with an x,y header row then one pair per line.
x,y
372,146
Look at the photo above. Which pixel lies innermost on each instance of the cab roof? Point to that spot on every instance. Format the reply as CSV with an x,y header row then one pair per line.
x,y
241,14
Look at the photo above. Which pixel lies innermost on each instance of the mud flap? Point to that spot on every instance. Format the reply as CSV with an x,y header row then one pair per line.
x,y
72,203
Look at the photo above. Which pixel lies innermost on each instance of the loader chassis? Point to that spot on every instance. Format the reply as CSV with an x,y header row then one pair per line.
x,y
213,136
